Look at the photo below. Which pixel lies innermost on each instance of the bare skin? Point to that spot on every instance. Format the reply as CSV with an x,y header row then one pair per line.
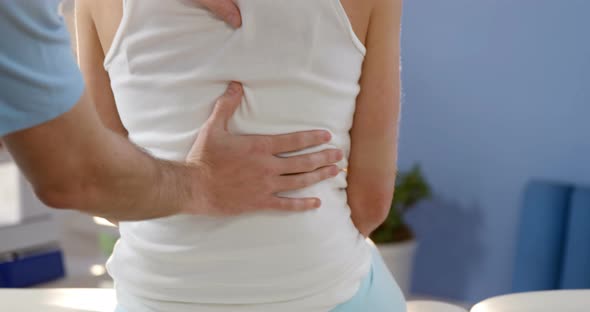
x,y
372,165
226,10
75,162
373,158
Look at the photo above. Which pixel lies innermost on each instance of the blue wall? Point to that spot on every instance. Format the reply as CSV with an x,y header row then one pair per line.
x,y
496,92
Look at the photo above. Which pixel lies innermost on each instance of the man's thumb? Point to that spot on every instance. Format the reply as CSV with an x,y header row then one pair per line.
x,y
227,104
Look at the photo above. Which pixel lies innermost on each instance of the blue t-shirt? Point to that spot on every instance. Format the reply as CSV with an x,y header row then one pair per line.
x,y
39,78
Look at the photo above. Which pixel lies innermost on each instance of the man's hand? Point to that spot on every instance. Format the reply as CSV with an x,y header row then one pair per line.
x,y
240,174
227,10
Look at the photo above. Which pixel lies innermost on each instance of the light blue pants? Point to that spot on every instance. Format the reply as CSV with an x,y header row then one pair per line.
x,y
378,292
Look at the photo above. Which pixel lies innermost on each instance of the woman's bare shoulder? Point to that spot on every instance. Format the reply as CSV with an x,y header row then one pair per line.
x,y
106,16
359,13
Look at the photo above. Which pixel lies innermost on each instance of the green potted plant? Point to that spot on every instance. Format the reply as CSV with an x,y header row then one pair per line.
x,y
394,238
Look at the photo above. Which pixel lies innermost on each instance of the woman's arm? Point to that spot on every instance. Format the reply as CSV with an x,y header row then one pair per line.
x,y
372,168
91,55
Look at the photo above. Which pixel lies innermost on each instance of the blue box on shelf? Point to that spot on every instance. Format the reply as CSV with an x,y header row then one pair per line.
x,y
32,268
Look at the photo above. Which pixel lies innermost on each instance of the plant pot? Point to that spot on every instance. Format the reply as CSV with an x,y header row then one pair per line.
x,y
399,258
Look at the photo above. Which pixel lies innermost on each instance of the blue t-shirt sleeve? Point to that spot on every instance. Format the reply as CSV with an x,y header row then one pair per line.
x,y
39,78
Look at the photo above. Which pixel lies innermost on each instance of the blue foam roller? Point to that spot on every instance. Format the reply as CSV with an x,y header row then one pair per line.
x,y
540,237
576,262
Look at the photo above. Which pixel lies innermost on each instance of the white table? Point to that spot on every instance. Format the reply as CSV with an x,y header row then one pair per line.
x,y
544,301
57,300
433,306
103,300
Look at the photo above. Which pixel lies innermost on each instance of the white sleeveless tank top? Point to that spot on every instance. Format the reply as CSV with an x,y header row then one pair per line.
x,y
300,63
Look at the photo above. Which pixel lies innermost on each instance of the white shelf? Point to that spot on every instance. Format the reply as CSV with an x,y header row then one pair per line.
x,y
38,231
25,222
4,156
10,194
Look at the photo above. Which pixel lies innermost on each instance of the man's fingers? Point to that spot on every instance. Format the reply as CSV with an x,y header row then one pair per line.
x,y
310,162
298,141
300,181
303,180
226,105
227,10
295,204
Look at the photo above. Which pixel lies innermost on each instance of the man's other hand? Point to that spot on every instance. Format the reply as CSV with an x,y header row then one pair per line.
x,y
227,10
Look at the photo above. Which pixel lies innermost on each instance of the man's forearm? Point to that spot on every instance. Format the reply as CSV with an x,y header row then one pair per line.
x,y
73,162
134,186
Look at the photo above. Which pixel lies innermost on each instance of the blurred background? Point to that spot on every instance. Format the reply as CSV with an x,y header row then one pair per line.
x,y
496,95
496,114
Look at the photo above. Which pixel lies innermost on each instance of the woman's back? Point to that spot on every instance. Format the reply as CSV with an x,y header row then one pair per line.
x,y
300,63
